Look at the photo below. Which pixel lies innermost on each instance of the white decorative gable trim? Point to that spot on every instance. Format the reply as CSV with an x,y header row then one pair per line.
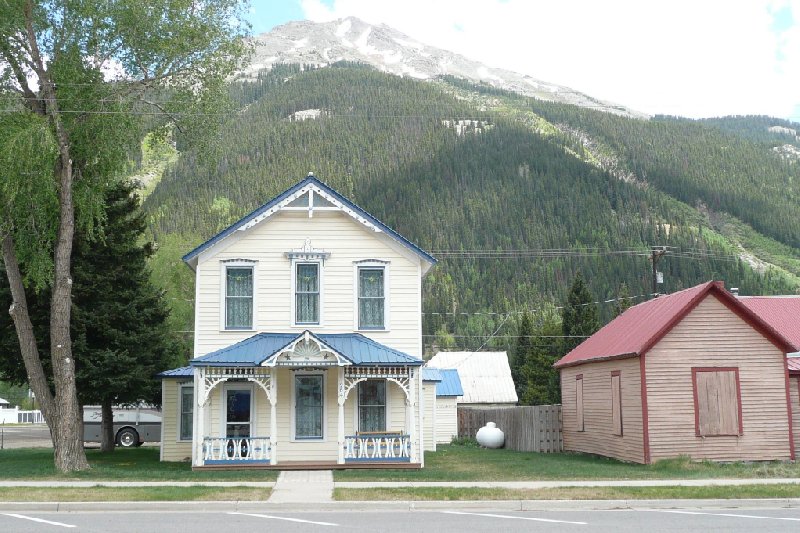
x,y
311,190
307,351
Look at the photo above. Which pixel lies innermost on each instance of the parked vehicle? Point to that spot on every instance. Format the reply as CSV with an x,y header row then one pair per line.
x,y
133,426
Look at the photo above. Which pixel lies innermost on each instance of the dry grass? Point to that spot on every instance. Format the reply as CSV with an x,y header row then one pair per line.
x,y
569,493
132,494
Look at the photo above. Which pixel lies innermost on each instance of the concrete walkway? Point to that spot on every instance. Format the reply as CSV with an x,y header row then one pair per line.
x,y
303,486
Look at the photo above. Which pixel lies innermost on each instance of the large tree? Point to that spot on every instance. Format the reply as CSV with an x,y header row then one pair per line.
x,y
74,77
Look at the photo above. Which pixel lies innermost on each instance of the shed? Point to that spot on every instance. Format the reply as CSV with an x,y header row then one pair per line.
x,y
693,373
783,314
4,404
448,390
431,377
485,377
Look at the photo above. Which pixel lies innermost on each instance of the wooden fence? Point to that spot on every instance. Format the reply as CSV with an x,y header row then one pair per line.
x,y
535,428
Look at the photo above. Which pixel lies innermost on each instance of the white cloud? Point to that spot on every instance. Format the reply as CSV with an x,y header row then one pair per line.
x,y
686,57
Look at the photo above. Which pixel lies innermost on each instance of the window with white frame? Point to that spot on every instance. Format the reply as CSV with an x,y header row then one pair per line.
x,y
371,297
239,297
372,405
185,422
308,407
306,293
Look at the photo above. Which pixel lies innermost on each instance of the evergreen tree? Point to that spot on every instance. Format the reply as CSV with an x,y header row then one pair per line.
x,y
542,380
120,319
580,317
623,300
521,354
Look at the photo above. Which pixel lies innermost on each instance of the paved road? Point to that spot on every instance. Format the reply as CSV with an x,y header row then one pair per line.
x,y
25,436
442,521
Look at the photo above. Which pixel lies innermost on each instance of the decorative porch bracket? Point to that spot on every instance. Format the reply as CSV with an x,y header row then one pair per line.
x,y
212,376
353,375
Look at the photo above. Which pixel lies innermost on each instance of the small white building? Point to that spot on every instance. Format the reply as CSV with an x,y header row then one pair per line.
x,y
485,377
448,391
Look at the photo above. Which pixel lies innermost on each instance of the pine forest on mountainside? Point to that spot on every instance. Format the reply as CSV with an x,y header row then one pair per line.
x,y
523,175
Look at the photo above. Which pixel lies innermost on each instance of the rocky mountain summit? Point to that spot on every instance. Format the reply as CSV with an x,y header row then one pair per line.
x,y
389,50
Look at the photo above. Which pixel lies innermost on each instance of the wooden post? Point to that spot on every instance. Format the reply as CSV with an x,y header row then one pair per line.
x,y
199,416
273,416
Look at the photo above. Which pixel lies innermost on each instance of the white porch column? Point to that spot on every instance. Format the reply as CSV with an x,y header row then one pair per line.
x,y
340,430
411,406
421,403
198,416
273,416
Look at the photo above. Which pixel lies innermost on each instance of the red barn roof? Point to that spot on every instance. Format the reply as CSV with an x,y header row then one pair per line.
x,y
637,329
780,312
783,314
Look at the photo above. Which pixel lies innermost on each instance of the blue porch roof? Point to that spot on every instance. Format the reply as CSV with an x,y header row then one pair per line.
x,y
259,348
182,372
288,192
450,384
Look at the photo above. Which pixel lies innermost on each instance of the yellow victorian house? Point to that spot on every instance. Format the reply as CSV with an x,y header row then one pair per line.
x,y
307,342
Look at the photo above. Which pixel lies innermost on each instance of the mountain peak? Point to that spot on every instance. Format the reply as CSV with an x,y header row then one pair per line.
x,y
391,51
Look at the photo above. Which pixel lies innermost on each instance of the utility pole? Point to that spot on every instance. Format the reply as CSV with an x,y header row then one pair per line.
x,y
656,253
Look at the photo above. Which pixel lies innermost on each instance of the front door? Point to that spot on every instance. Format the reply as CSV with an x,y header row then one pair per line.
x,y
238,421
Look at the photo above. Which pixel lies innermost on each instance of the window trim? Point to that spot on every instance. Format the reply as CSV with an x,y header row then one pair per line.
x,y
181,388
372,264
223,301
735,370
580,421
386,410
324,376
295,264
621,432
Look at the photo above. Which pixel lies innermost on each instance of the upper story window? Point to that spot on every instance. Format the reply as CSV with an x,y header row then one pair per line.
x,y
307,263
306,291
239,296
371,280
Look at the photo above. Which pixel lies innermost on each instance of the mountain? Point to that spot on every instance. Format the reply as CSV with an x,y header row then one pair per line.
x,y
513,194
390,51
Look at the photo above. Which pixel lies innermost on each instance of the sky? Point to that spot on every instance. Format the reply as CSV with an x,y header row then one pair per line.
x,y
693,58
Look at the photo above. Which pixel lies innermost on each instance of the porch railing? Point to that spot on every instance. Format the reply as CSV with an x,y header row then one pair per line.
x,y
377,447
231,450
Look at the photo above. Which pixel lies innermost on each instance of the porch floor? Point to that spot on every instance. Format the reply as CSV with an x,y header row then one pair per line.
x,y
313,465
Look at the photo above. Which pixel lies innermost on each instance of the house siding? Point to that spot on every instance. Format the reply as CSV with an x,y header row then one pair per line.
x,y
429,414
794,399
446,419
347,241
712,335
172,449
598,435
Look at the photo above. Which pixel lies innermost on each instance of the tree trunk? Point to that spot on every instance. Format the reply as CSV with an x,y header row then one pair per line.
x,y
67,426
107,443
27,340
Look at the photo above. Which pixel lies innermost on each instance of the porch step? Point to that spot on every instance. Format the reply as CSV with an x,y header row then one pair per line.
x,y
303,486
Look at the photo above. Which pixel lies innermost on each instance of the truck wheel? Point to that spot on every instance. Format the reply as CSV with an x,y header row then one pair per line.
x,y
127,437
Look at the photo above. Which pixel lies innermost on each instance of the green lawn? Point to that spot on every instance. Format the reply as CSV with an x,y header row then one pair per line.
x,y
124,464
568,493
470,463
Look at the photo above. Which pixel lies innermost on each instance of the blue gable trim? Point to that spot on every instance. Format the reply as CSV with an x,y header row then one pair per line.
x,y
353,347
310,180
